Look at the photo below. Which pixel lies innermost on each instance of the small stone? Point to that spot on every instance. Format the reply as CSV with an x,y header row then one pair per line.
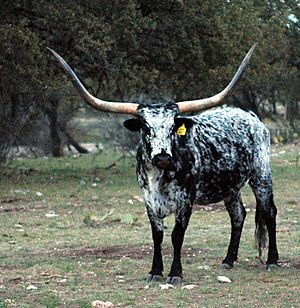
x,y
9,301
189,286
224,279
51,215
39,194
20,191
166,286
100,304
138,199
204,267
31,287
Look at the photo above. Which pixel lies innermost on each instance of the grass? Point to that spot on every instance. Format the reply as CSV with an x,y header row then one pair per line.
x,y
78,232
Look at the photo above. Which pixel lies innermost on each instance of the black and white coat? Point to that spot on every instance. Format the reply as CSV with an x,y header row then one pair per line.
x,y
222,150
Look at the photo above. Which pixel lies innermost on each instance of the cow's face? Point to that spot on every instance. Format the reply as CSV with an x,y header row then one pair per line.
x,y
158,125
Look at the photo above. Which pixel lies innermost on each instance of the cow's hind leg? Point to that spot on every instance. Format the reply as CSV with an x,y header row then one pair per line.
x,y
237,215
156,273
182,220
265,217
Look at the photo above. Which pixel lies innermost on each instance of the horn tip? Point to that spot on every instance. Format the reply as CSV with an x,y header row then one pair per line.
x,y
252,48
52,51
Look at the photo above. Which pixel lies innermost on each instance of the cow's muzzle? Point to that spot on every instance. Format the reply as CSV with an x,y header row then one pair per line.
x,y
163,161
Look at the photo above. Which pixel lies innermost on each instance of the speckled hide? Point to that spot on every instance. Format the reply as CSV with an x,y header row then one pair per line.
x,y
205,159
222,150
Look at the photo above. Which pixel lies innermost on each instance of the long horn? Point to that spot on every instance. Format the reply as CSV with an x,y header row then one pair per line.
x,y
218,99
96,103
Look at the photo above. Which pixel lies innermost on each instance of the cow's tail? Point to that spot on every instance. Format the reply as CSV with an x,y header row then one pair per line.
x,y
261,232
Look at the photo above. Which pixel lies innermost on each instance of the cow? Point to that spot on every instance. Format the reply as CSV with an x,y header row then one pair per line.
x,y
205,158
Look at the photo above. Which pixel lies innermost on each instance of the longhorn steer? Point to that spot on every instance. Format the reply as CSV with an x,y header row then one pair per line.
x,y
205,158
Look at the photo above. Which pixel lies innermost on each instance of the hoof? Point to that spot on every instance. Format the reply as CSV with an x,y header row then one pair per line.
x,y
154,278
175,281
226,265
271,267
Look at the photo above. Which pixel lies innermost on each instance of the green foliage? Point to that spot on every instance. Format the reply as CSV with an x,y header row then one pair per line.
x,y
137,49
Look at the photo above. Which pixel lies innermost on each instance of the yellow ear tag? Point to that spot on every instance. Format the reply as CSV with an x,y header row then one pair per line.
x,y
181,131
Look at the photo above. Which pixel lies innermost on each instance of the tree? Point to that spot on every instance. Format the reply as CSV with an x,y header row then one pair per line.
x,y
132,50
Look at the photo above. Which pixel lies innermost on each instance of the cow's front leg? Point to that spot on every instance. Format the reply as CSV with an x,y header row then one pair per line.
x,y
182,220
156,272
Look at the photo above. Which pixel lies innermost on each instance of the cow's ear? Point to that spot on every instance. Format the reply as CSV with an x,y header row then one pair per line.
x,y
188,122
133,125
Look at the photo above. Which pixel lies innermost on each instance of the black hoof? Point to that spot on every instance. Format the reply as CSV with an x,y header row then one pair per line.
x,y
175,281
271,267
226,265
153,278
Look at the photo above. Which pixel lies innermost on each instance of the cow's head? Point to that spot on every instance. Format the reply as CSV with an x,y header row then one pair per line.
x,y
157,122
158,125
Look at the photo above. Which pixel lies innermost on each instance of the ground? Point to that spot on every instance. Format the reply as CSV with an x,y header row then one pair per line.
x,y
74,230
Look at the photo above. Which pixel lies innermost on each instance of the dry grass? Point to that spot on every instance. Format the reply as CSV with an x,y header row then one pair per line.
x,y
77,232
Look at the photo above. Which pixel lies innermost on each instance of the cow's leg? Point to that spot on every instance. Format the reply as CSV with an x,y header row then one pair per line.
x,y
182,220
237,215
265,217
156,272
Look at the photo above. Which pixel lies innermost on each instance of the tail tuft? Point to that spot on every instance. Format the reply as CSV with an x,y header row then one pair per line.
x,y
261,232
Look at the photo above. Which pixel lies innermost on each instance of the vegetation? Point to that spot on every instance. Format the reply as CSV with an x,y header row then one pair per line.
x,y
74,230
132,49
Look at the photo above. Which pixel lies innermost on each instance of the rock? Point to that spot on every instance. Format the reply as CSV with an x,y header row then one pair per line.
x,y
166,286
224,279
31,287
20,191
204,267
100,304
138,199
95,198
189,286
51,215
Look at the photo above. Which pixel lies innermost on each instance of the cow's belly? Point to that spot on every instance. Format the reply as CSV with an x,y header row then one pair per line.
x,y
215,188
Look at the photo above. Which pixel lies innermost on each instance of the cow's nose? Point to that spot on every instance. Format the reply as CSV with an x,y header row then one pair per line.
x,y
162,161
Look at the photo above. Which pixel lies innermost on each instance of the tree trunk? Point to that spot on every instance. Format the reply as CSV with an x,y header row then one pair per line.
x,y
73,142
4,149
273,101
292,112
56,145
